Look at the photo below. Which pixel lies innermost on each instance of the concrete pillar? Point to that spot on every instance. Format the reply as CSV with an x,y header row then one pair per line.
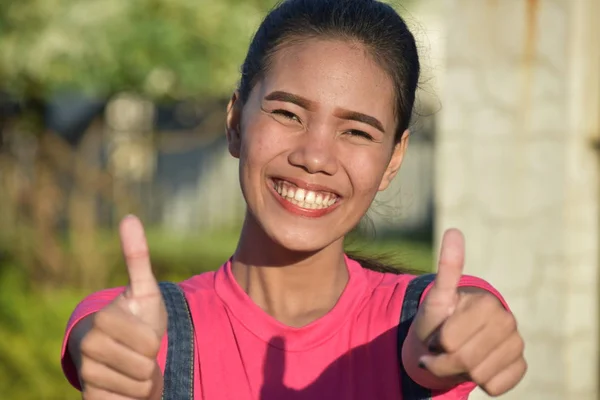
x,y
517,171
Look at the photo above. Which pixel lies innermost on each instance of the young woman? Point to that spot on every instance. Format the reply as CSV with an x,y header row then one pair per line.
x,y
319,124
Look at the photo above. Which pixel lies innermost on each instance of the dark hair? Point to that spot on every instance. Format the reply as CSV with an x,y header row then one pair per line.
x,y
371,23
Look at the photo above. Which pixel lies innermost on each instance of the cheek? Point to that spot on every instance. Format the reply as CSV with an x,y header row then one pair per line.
x,y
260,144
366,171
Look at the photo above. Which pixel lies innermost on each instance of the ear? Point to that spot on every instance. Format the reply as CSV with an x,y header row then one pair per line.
x,y
395,161
233,132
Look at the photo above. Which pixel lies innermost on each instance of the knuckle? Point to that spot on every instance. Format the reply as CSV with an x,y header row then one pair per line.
x,y
87,343
492,390
144,389
87,395
489,302
146,369
509,322
88,371
523,367
446,340
154,342
141,253
481,375
478,377
462,360
90,344
91,394
102,318
151,343
520,344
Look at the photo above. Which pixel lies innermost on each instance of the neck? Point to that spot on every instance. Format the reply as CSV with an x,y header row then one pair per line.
x,y
295,288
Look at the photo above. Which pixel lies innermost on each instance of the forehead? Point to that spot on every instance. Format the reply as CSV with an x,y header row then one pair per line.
x,y
334,74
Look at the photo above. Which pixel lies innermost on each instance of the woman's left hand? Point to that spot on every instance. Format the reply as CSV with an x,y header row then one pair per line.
x,y
466,333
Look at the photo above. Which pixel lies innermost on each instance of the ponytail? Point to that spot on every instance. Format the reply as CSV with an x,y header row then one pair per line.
x,y
380,264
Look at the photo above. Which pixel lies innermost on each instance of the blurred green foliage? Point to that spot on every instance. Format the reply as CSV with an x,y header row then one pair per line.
x,y
31,326
172,48
160,48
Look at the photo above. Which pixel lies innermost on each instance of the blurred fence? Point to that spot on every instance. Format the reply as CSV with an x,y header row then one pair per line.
x,y
63,194
208,196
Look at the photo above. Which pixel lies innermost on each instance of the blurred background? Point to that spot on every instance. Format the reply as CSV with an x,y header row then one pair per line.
x,y
110,107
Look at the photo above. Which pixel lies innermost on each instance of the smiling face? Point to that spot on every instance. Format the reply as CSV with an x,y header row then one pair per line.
x,y
315,141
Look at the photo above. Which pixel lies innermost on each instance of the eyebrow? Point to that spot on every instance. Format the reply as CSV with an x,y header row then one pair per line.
x,y
360,117
291,98
310,106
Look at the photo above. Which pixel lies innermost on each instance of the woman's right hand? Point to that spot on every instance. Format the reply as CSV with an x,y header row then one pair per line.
x,y
115,349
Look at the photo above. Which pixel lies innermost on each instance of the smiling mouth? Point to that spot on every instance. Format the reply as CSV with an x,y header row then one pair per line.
x,y
307,199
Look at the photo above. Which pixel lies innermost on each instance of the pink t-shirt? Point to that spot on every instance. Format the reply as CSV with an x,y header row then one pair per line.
x,y
242,353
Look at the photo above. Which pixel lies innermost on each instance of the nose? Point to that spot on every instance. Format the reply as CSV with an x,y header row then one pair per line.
x,y
315,153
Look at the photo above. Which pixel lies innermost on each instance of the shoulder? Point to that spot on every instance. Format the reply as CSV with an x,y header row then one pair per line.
x,y
199,289
384,299
386,283
392,287
198,283
200,293
97,300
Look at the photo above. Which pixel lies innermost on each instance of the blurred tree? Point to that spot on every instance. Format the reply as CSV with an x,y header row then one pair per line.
x,y
160,48
61,60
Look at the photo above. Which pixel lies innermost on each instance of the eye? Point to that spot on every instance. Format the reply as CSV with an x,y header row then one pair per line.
x,y
357,133
287,115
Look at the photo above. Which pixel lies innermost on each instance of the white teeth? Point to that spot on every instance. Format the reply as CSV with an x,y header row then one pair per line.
x,y
299,195
304,198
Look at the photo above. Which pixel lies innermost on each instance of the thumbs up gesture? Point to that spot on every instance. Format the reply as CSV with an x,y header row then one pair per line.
x,y
118,352
466,332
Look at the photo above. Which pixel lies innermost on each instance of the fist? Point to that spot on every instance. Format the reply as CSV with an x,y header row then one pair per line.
x,y
118,352
468,334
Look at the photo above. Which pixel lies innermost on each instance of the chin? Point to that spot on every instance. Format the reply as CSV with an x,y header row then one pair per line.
x,y
295,224
300,241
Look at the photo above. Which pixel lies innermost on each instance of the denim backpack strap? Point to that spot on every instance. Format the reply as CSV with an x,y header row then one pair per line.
x,y
179,369
410,389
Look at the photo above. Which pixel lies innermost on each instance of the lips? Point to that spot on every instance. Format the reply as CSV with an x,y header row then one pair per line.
x,y
304,199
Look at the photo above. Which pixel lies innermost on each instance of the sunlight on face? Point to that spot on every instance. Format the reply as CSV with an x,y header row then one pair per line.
x,y
317,134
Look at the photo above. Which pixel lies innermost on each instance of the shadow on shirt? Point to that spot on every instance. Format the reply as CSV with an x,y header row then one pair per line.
x,y
367,372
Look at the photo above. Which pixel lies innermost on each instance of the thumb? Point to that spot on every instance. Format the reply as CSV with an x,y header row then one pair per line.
x,y
142,282
450,266
441,299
